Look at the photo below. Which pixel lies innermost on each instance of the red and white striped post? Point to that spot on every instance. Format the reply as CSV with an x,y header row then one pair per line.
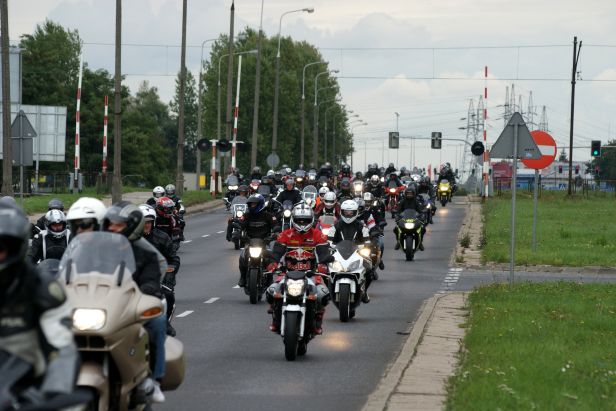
x,y
213,176
486,165
236,113
77,159
105,120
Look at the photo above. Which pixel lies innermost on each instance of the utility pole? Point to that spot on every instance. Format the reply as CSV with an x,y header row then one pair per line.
x,y
7,159
116,187
576,58
255,111
228,125
179,175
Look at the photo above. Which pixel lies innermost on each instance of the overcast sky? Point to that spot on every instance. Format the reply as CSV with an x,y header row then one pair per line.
x,y
428,56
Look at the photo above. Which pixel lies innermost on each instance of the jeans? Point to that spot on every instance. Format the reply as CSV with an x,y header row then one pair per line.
x,y
157,331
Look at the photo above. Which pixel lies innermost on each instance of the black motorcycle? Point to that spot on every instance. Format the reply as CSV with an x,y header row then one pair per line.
x,y
257,280
410,228
238,209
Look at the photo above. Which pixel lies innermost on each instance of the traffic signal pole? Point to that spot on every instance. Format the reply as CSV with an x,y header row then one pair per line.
x,y
576,58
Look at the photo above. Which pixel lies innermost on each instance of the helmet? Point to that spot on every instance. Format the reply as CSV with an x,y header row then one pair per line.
x,y
345,185
55,217
14,235
302,218
348,211
327,165
391,165
256,170
8,200
372,167
375,180
409,193
289,184
55,204
255,203
300,166
164,207
149,213
368,198
243,189
329,200
359,175
126,212
170,190
346,168
86,212
158,192
323,191
270,173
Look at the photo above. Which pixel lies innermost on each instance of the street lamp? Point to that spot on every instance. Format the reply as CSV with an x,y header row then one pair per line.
x,y
315,138
277,81
199,112
301,155
218,97
353,137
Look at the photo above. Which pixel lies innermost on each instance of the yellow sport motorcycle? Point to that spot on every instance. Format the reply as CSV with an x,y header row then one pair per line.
x,y
444,192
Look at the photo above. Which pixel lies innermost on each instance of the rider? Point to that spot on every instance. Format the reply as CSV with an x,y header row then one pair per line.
x,y
179,216
350,227
53,204
242,191
375,186
289,193
258,223
86,214
157,193
393,177
165,219
302,235
359,176
256,173
35,315
447,174
162,242
390,168
410,201
345,190
345,171
328,206
51,242
127,219
378,213
425,187
373,170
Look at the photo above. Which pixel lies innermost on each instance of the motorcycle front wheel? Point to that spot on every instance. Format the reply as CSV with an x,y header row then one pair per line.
x,y
409,248
291,334
253,285
344,302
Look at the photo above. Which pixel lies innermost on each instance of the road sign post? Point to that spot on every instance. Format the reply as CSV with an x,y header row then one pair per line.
x,y
22,132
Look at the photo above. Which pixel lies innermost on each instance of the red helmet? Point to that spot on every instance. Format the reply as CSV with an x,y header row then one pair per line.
x,y
165,207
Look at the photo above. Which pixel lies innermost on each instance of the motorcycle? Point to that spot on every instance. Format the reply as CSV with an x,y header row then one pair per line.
x,y
108,323
348,273
310,195
257,281
325,223
324,182
409,232
266,191
285,213
444,192
430,207
254,186
232,186
392,196
312,177
238,210
300,179
358,188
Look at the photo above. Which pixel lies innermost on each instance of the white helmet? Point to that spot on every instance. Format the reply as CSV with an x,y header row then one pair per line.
x,y
348,211
302,218
149,214
86,208
158,192
323,191
329,200
55,217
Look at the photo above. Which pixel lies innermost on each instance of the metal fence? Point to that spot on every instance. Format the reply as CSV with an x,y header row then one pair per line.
x,y
604,188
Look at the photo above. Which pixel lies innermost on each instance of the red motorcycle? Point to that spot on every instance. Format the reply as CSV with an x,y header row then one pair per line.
x,y
393,194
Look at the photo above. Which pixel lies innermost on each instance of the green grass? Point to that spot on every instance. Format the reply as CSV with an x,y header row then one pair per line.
x,y
38,203
195,197
545,346
578,231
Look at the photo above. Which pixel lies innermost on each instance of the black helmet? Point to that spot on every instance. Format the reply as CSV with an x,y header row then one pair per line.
x,y
55,204
345,186
391,165
14,235
346,168
409,193
255,203
128,213
243,189
359,175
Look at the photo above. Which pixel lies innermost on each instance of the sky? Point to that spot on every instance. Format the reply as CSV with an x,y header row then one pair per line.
x,y
422,59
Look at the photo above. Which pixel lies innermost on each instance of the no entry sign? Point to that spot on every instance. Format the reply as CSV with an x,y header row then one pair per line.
x,y
547,146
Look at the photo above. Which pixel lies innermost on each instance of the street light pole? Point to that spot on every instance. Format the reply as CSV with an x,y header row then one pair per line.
x,y
179,176
255,111
200,113
397,130
277,80
301,155
315,137
116,186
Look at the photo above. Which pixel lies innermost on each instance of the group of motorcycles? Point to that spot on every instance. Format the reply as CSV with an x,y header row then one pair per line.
x,y
351,265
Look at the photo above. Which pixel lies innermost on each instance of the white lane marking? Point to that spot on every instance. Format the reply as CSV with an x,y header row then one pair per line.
x,y
211,300
220,232
455,269
187,241
236,286
450,280
184,314
205,235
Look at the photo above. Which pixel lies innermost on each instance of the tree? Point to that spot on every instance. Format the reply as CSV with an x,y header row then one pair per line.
x,y
606,164
190,118
562,157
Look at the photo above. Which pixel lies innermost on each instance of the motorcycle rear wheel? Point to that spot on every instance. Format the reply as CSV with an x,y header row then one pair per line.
x,y
291,335
253,285
344,302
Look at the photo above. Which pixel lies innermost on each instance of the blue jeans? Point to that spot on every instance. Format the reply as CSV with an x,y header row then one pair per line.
x,y
157,331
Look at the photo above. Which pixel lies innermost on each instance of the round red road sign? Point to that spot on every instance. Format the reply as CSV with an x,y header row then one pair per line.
x,y
547,146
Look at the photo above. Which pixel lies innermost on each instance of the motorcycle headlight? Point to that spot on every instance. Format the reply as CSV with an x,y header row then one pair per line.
x,y
89,319
323,184
354,265
409,226
376,203
239,214
287,213
392,190
443,188
365,252
336,267
232,188
299,179
382,179
429,206
325,230
255,251
295,287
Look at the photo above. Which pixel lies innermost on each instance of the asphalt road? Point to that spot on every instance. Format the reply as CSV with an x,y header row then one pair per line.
x,y
234,362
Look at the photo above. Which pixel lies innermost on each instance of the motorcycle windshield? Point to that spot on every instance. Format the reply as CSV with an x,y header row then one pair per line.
x,y
287,205
233,181
300,174
97,252
392,184
327,220
409,214
346,248
310,189
444,182
239,200
264,190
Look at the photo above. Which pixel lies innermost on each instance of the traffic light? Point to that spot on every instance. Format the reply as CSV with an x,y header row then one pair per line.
x,y
595,148
577,169
223,145
436,142
394,139
560,169
204,144
477,148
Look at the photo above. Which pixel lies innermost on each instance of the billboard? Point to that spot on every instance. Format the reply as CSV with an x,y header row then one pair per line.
x,y
15,75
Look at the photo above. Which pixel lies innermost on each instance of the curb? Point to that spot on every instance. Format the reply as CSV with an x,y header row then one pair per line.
x,y
207,207
377,400
544,269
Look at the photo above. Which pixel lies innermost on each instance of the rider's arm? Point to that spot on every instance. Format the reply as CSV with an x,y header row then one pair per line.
x,y
35,253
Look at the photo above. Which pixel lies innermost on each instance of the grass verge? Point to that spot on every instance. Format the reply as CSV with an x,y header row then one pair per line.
x,y
576,231
538,346
195,197
38,203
